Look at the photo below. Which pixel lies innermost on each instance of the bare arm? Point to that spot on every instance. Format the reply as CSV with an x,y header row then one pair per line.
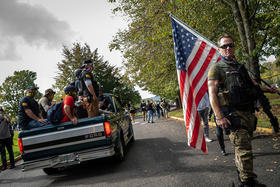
x,y
68,112
214,101
265,88
33,116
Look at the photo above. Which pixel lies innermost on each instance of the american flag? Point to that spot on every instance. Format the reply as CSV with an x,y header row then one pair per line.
x,y
194,57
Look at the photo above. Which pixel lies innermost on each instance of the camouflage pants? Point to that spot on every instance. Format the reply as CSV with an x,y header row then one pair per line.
x,y
243,146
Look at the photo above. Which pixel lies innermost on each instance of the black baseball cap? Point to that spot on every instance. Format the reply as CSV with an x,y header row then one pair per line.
x,y
87,62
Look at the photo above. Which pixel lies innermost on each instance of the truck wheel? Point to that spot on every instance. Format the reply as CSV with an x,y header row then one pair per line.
x,y
119,156
132,140
51,171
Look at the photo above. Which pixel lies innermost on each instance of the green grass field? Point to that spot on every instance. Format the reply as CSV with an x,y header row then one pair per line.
x,y
263,120
15,147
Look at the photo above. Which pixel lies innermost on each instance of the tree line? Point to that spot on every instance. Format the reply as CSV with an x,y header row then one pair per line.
x,y
147,43
108,77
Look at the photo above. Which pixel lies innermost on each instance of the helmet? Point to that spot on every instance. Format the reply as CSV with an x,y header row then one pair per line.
x,y
87,62
69,88
78,73
49,91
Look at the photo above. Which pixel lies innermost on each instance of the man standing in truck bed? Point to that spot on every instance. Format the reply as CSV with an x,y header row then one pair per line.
x,y
90,89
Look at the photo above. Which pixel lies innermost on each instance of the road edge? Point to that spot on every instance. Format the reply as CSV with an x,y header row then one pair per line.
x,y
212,124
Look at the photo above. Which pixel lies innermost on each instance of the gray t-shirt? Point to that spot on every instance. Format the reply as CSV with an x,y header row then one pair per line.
x,y
4,129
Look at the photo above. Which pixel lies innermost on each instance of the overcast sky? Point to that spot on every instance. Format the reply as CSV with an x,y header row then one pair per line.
x,y
34,31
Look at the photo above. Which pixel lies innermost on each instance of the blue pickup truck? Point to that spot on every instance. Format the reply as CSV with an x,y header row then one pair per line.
x,y
57,146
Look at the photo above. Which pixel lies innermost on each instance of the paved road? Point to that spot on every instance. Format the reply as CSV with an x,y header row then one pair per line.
x,y
160,157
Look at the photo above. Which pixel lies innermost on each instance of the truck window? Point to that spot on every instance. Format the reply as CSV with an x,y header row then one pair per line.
x,y
118,105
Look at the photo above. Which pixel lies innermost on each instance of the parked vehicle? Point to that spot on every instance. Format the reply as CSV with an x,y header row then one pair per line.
x,y
56,146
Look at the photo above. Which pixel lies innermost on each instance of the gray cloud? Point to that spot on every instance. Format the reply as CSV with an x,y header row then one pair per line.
x,y
32,23
7,50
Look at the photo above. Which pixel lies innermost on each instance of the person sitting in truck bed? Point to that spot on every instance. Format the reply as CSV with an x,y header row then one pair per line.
x,y
104,102
46,102
29,115
68,105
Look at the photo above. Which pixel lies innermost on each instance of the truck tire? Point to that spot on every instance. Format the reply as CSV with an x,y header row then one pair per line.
x,y
50,171
120,154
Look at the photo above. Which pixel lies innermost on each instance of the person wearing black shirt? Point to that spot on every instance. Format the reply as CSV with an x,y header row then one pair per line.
x,y
144,110
150,112
90,89
29,115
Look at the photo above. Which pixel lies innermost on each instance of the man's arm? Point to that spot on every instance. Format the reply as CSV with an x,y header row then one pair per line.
x,y
265,88
33,116
214,101
68,112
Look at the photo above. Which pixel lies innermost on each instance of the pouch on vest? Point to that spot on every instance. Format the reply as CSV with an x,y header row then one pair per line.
x,y
223,98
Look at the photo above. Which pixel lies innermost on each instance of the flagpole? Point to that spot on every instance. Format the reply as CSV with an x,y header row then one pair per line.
x,y
192,29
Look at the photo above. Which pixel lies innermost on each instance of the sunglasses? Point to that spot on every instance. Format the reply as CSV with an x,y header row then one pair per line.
x,y
227,45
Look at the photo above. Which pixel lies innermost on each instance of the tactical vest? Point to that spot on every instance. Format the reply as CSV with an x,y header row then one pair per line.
x,y
94,84
236,88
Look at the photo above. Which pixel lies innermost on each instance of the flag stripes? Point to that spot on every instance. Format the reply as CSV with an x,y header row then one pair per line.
x,y
194,56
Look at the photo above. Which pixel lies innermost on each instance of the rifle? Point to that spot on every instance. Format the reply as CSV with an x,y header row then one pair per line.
x,y
265,102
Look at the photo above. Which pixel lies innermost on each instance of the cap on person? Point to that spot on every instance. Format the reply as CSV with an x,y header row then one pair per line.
x,y
69,88
49,91
86,62
32,87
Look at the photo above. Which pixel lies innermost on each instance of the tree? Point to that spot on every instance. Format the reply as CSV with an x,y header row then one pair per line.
x,y
13,88
107,76
147,44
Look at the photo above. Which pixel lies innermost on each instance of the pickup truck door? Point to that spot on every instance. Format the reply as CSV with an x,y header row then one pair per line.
x,y
123,120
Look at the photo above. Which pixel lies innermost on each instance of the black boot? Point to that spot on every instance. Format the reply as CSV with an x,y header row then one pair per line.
x,y
251,183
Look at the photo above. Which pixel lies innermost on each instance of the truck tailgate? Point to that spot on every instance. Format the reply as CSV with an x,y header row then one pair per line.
x,y
64,138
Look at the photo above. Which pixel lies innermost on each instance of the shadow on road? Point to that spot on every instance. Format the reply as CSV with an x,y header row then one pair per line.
x,y
146,158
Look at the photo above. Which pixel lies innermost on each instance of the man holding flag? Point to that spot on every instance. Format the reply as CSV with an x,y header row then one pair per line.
x,y
232,96
194,56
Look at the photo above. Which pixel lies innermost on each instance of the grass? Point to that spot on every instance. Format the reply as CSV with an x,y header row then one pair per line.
x,y
263,120
15,147
176,113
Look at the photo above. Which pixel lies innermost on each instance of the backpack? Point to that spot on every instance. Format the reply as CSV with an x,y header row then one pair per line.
x,y
55,114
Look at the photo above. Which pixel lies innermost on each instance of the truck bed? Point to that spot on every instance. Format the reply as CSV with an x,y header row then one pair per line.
x,y
45,143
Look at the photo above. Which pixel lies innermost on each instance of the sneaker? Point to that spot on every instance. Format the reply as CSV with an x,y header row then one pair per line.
x,y
223,152
208,139
12,166
4,168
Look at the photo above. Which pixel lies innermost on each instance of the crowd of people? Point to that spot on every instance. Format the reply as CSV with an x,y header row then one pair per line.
x,y
150,109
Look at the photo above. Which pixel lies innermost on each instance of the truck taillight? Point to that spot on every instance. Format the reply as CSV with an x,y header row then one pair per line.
x,y
107,128
20,145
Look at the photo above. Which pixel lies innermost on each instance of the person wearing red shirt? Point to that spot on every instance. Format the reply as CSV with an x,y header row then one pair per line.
x,y
68,105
